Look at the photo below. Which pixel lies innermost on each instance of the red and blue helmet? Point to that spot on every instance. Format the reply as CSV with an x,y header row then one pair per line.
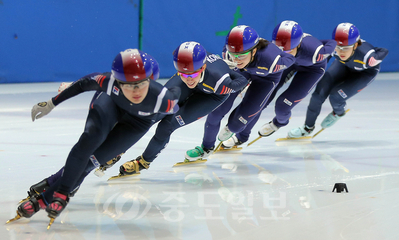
x,y
346,34
189,57
287,35
132,65
241,39
155,68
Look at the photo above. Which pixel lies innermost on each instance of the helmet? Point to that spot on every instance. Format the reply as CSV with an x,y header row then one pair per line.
x,y
189,57
287,35
155,68
346,34
241,39
131,65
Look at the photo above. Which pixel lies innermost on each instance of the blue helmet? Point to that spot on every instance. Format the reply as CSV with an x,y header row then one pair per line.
x,y
189,57
155,68
241,39
131,65
287,35
346,34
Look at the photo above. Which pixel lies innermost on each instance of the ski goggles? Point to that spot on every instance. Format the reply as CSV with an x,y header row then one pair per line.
x,y
344,48
131,86
241,56
192,75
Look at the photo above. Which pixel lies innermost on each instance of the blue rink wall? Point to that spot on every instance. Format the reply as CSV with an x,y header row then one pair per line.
x,y
62,40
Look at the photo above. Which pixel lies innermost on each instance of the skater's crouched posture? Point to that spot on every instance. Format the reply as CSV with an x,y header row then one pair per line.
x,y
205,81
259,61
356,65
126,104
310,63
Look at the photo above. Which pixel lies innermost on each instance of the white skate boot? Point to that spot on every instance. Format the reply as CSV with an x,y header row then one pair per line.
x,y
232,142
225,134
330,120
268,129
300,132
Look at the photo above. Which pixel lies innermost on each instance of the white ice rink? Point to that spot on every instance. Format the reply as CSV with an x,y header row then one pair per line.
x,y
269,190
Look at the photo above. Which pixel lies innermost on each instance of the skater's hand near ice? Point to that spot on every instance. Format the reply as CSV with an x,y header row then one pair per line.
x,y
41,109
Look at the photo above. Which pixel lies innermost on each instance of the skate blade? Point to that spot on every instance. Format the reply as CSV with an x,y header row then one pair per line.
x,y
122,176
25,199
13,219
50,223
189,162
321,130
217,147
295,142
186,168
291,139
234,148
256,139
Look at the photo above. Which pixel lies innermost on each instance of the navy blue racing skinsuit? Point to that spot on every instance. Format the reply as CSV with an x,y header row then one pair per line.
x,y
308,69
113,125
217,82
344,79
264,72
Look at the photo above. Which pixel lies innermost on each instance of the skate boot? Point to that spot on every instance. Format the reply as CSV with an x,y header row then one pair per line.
x,y
54,209
36,189
300,132
232,142
268,129
225,134
29,207
100,171
133,166
330,120
198,153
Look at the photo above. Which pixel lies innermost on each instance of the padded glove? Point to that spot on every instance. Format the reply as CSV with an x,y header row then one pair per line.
x,y
41,109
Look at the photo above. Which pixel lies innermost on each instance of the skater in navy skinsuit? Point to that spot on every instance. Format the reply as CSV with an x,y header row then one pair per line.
x,y
259,61
201,91
356,65
206,81
126,104
310,63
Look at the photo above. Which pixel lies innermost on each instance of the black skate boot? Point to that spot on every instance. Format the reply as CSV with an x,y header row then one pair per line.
x,y
36,189
100,170
29,207
54,209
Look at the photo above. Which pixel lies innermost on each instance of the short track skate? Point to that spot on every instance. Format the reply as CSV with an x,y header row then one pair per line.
x,y
307,137
15,218
347,110
186,162
256,139
234,148
220,148
120,176
291,139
